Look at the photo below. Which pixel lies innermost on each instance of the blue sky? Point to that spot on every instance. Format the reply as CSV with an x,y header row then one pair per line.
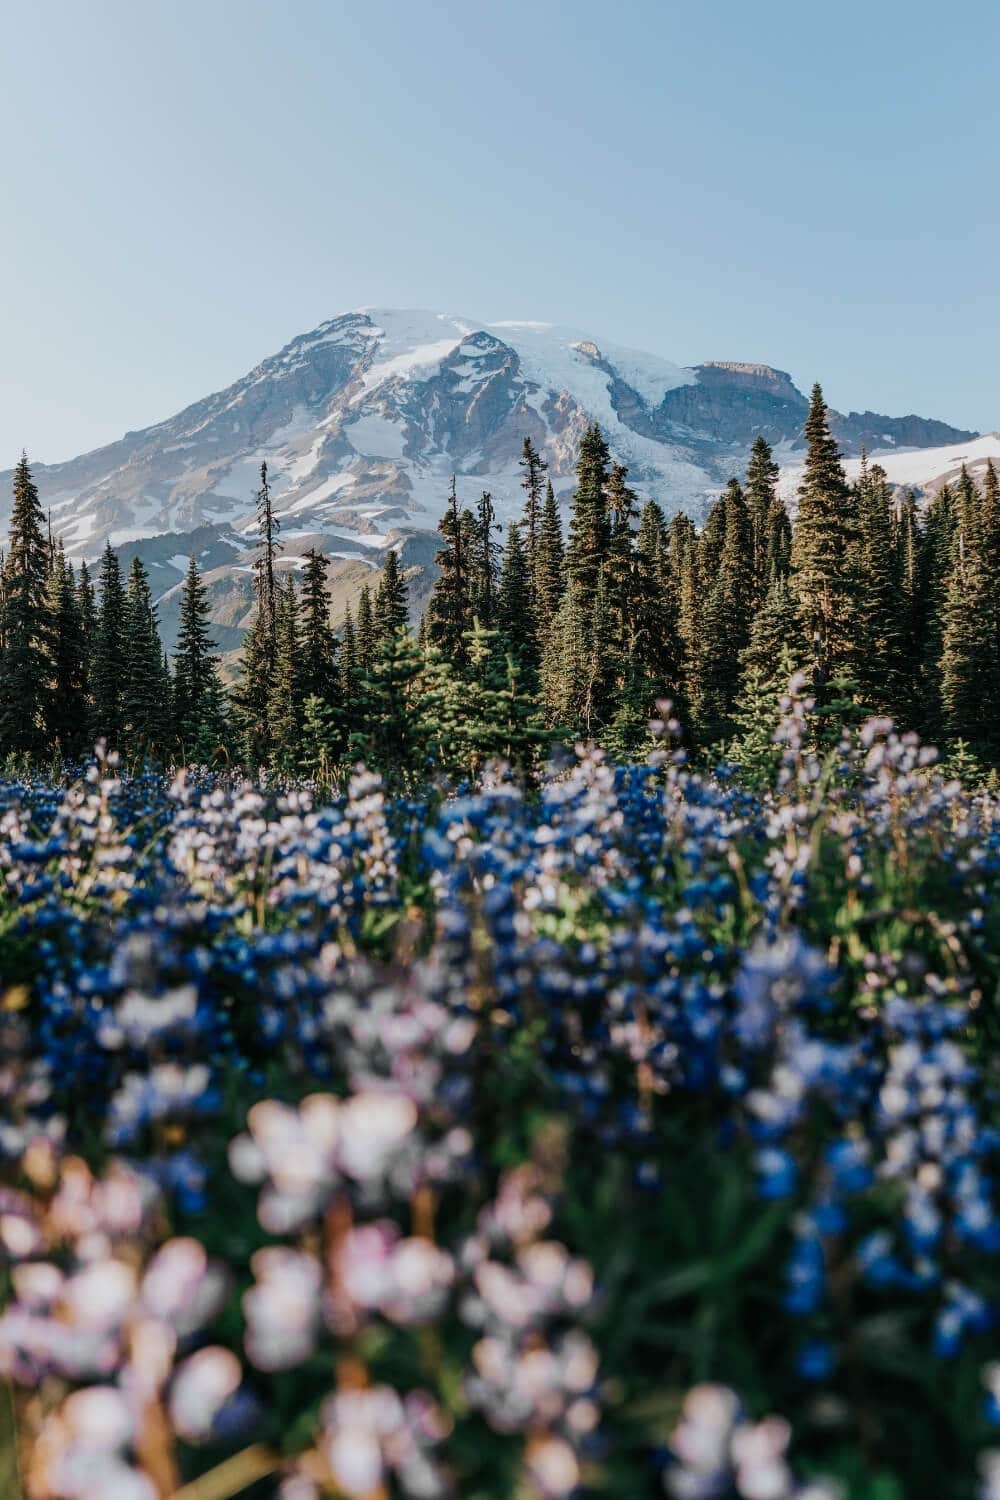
x,y
188,185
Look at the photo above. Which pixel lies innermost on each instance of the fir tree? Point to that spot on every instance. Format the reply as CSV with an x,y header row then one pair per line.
x,y
879,618
108,686
935,560
392,606
966,643
824,551
778,549
449,614
286,698
484,557
775,635
67,719
589,527
387,730
199,711
548,575
484,715
658,649
25,661
515,625
319,740
350,670
685,568
146,687
268,528
621,578
254,696
86,601
319,645
566,661
761,498
365,633
725,622
531,521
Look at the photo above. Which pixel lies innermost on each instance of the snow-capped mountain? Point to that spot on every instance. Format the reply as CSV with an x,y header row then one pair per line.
x,y
363,421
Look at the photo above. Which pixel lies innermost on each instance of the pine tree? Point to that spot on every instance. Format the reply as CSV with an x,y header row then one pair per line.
x,y
350,670
936,552
989,563
966,643
778,549
67,718
907,543
253,698
286,697
387,730
824,555
600,682
86,600
365,634
319,644
481,716
776,631
484,557
566,662
146,691
392,606
685,568
531,521
25,661
658,648
548,575
108,687
517,635
320,740
621,580
268,528
449,614
755,719
198,698
589,527
725,621
762,499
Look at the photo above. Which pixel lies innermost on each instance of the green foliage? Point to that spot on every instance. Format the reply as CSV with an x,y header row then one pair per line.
x,y
825,561
199,702
25,624
109,655
146,694
887,608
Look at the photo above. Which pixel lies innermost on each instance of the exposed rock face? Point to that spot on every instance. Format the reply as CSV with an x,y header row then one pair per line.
x,y
363,421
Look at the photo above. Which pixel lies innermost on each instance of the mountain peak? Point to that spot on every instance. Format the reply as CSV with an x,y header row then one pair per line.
x,y
363,419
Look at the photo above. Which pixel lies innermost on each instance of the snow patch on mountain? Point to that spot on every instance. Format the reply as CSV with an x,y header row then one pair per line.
x,y
922,469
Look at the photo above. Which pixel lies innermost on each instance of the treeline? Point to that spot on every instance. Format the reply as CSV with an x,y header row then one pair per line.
x,y
532,636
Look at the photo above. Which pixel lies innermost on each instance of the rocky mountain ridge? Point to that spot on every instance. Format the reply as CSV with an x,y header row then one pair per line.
x,y
363,420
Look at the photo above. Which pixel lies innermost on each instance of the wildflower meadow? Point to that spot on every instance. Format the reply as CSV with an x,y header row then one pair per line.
x,y
632,1134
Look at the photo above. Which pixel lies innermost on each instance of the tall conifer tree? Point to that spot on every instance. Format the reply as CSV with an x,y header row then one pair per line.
x,y
392,605
199,713
549,574
824,554
108,689
449,614
25,660
146,688
319,645
589,526
67,719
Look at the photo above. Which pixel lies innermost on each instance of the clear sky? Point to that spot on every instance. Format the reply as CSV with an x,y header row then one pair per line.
x,y
190,183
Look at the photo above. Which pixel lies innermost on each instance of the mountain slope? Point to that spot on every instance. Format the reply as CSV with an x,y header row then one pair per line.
x,y
363,420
